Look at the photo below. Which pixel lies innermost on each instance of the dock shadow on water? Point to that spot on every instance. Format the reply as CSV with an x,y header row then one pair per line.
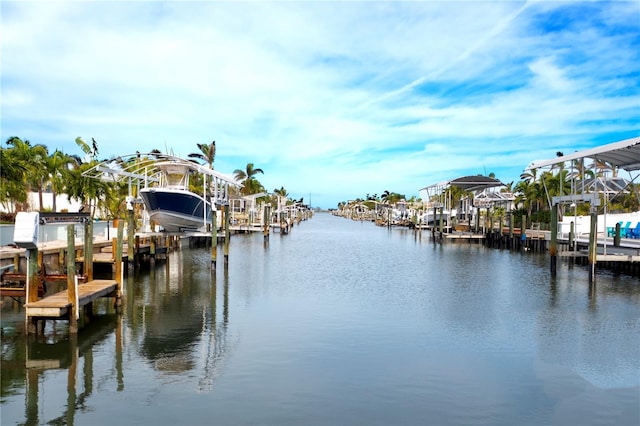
x,y
339,322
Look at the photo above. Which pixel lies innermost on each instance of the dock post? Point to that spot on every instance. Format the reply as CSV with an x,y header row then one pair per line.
x,y
214,236
490,233
476,224
266,215
32,271
61,260
88,250
553,247
152,249
117,260
31,286
593,245
130,243
616,237
511,230
523,231
72,291
227,234
572,235
136,256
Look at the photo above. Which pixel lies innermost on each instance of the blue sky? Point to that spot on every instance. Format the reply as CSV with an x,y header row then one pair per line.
x,y
333,100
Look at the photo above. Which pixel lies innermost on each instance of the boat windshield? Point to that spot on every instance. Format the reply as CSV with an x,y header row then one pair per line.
x,y
176,177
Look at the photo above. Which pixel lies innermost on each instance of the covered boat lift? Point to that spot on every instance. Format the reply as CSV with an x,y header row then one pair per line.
x,y
623,155
480,186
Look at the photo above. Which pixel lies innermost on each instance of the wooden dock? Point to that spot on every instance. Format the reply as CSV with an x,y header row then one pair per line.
x,y
58,305
62,305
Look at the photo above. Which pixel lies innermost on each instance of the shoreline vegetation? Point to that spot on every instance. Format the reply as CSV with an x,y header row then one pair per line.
x,y
30,168
27,167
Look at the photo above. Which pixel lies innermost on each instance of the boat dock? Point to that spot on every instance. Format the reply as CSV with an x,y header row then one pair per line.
x,y
68,303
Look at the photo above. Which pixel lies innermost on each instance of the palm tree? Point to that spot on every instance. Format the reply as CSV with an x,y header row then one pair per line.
x,y
14,168
32,160
91,151
85,188
207,153
282,192
57,166
385,197
250,185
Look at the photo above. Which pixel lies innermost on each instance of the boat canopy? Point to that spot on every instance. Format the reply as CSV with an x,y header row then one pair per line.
x,y
624,155
148,167
466,183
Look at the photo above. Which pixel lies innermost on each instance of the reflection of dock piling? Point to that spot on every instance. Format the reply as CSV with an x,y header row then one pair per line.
x,y
67,354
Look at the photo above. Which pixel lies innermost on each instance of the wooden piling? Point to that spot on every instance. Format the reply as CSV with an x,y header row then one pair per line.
x,y
511,230
136,256
40,271
152,249
227,234
72,291
553,247
32,283
523,231
117,260
572,235
593,245
88,250
214,236
266,216
130,235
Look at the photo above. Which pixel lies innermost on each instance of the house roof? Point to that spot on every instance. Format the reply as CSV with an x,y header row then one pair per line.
x,y
624,155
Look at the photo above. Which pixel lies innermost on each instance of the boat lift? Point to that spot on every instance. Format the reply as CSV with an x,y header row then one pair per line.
x,y
624,155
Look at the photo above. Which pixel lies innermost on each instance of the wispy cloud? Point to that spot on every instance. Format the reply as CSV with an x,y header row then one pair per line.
x,y
331,99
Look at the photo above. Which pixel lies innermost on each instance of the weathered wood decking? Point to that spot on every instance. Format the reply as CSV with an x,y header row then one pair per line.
x,y
58,305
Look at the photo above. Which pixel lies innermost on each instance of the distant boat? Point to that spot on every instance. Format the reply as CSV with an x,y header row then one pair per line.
x,y
171,203
429,219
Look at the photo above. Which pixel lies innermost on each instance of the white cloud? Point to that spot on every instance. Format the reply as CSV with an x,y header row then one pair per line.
x,y
332,98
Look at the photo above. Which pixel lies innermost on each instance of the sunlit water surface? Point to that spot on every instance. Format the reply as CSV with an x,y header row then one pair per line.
x,y
339,323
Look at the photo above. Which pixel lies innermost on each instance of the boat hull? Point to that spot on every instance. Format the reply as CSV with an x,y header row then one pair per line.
x,y
176,210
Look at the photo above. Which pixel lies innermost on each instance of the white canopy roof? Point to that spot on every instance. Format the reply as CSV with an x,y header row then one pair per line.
x,y
624,155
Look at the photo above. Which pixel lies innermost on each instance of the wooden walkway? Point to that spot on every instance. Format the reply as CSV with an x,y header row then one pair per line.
x,y
58,305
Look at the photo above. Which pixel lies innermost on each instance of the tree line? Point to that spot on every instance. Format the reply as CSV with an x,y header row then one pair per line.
x,y
27,168
535,189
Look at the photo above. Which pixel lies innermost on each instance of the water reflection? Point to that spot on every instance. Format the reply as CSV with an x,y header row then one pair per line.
x,y
171,320
173,313
41,355
342,323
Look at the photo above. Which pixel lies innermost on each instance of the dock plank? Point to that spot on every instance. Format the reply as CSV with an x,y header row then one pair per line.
x,y
57,305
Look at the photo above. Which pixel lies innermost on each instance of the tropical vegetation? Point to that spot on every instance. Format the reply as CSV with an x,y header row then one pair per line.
x,y
534,191
26,167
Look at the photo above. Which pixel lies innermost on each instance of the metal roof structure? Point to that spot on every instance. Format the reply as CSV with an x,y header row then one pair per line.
x,y
608,185
624,155
467,183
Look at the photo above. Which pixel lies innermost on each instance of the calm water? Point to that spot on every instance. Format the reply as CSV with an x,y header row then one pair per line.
x,y
340,323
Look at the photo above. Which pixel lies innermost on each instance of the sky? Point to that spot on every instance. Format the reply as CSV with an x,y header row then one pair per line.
x,y
332,100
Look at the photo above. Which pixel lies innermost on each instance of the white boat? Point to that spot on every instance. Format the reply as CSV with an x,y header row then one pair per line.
x,y
171,203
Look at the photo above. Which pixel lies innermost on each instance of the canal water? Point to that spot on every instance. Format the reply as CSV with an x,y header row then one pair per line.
x,y
339,323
